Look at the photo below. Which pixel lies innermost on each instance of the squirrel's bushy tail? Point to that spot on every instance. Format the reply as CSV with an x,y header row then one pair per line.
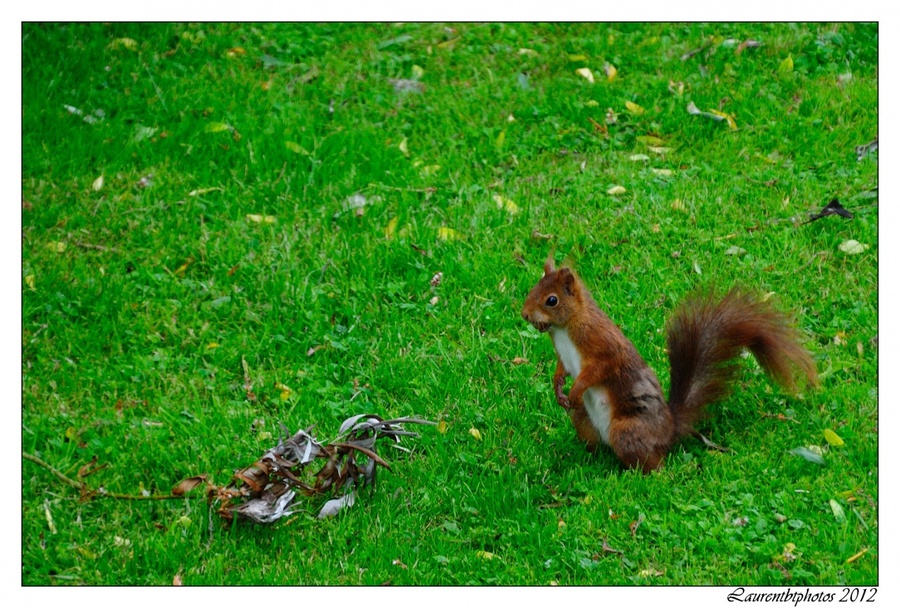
x,y
705,336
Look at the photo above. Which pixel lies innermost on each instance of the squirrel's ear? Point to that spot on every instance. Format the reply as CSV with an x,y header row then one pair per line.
x,y
548,266
568,280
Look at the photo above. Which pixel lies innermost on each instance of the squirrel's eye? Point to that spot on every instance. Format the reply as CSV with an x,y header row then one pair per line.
x,y
552,301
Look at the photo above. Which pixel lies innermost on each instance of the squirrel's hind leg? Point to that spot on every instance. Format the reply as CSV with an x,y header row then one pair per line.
x,y
634,446
584,428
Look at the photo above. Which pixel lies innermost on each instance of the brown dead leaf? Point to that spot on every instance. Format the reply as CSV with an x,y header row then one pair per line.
x,y
746,44
607,549
420,250
636,524
186,485
602,129
90,468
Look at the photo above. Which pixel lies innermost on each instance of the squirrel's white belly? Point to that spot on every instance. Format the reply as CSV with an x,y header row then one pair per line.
x,y
596,401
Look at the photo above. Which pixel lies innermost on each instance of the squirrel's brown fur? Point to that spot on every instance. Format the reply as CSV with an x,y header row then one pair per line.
x,y
616,398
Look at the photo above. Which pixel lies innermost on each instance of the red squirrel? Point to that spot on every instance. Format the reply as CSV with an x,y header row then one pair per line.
x,y
616,398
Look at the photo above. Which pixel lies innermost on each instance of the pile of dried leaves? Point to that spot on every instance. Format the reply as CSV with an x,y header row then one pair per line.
x,y
265,491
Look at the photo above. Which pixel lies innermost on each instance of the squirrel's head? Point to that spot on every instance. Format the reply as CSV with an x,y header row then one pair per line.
x,y
553,300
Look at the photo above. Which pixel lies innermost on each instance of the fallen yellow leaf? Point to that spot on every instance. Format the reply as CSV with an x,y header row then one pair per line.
x,y
442,427
728,118
650,140
295,148
633,108
615,190
124,43
390,229
285,391
179,272
98,184
217,127
857,556
833,438
786,66
505,203
449,234
29,281
261,219
586,73
202,191
852,247
475,433
57,246
610,71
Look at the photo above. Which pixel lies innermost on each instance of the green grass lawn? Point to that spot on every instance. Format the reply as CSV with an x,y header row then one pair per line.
x,y
200,197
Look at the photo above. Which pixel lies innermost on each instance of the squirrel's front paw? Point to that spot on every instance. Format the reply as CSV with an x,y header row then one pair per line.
x,y
561,398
